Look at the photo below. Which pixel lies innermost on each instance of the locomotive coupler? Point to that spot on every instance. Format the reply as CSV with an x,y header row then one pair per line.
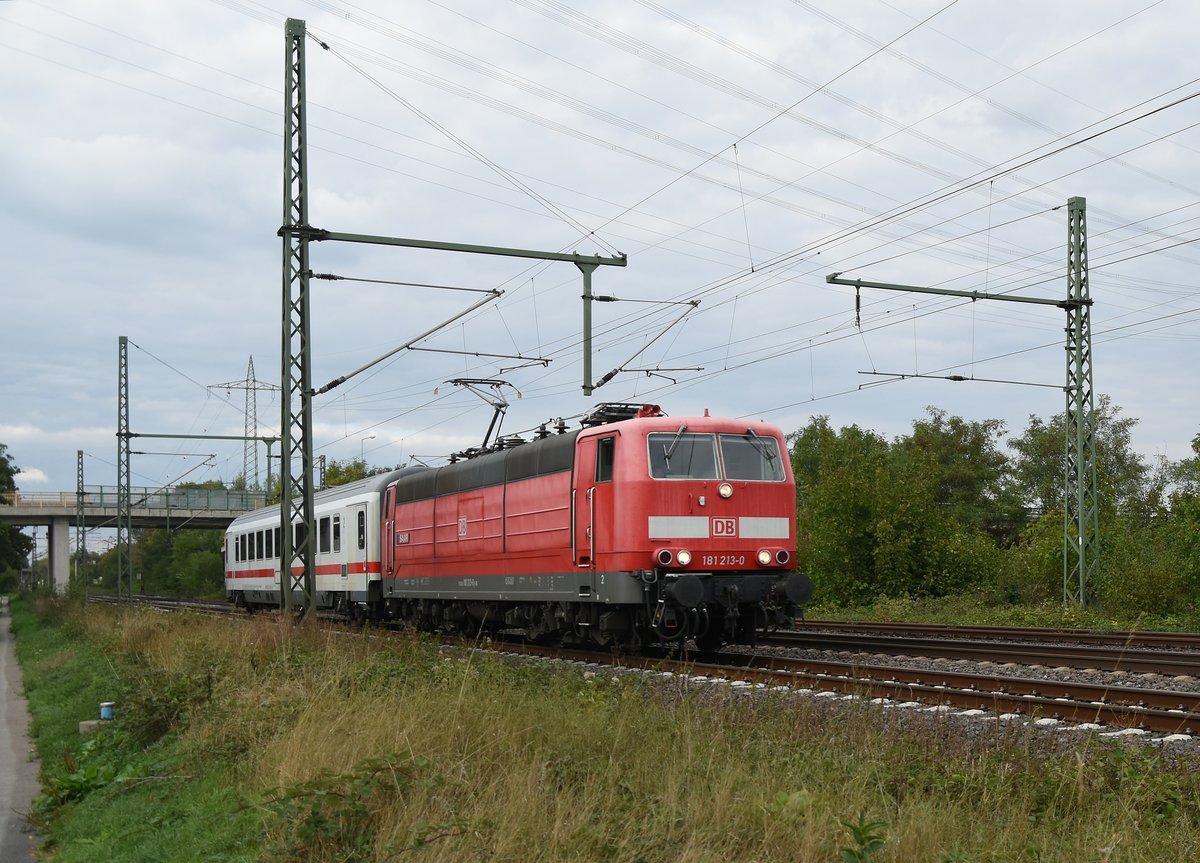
x,y
731,598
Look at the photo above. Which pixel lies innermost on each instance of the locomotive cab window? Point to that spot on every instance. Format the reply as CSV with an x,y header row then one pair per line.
x,y
751,457
682,455
605,452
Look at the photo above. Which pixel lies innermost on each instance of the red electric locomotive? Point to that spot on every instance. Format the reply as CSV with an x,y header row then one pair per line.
x,y
637,528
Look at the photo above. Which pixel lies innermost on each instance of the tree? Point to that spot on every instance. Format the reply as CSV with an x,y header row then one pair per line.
x,y
198,565
1185,474
972,474
835,491
877,519
1149,558
1040,465
342,472
14,545
351,470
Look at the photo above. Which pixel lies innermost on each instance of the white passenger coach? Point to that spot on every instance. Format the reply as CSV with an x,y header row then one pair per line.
x,y
347,554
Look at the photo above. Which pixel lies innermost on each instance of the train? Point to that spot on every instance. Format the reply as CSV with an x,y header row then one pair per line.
x,y
634,529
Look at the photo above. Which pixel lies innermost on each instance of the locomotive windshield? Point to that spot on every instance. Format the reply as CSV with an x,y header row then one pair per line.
x,y
683,455
686,455
751,456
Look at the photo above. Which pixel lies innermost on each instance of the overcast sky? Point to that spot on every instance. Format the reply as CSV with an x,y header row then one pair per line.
x,y
736,152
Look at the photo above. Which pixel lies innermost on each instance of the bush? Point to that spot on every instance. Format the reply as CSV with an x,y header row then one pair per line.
x,y
1032,570
1140,569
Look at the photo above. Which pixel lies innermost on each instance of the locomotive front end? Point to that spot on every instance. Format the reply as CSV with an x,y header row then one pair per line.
x,y
711,513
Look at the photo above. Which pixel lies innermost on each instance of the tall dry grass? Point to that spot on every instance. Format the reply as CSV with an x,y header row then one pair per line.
x,y
356,747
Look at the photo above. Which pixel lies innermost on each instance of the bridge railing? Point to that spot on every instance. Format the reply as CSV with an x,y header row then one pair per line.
x,y
140,498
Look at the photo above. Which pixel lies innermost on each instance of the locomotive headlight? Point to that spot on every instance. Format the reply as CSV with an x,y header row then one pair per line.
x,y
725,490
764,557
664,557
683,556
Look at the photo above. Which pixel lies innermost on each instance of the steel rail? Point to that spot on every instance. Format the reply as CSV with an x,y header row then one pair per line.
x,y
1103,657
1148,638
170,603
1094,693
1035,699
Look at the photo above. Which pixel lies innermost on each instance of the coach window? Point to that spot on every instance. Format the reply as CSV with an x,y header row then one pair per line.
x,y
323,535
258,545
605,451
242,547
237,549
337,534
270,550
275,532
362,529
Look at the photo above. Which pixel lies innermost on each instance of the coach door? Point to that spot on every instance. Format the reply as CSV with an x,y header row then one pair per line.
x,y
357,540
276,553
387,543
594,498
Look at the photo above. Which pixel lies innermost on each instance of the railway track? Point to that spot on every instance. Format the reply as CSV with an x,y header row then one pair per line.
x,y
1150,710
1163,711
1173,663
170,603
1049,635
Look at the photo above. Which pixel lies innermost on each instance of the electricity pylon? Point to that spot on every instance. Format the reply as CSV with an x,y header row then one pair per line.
x,y
250,451
1081,525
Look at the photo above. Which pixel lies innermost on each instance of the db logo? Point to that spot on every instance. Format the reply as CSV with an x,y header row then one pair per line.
x,y
724,527
462,527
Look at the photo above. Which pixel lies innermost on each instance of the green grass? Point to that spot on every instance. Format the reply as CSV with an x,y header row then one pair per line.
x,y
116,796
266,741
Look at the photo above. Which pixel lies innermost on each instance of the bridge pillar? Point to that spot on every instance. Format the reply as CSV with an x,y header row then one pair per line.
x,y
60,555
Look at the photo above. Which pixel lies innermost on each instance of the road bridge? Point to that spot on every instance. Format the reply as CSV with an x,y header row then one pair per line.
x,y
149,507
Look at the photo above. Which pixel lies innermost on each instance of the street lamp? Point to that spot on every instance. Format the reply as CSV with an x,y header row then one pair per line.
x,y
362,448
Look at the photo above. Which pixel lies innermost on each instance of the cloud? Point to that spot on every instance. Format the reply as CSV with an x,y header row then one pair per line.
x,y
145,188
33,475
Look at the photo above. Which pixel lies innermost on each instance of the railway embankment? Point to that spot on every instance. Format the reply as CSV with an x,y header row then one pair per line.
x,y
257,739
